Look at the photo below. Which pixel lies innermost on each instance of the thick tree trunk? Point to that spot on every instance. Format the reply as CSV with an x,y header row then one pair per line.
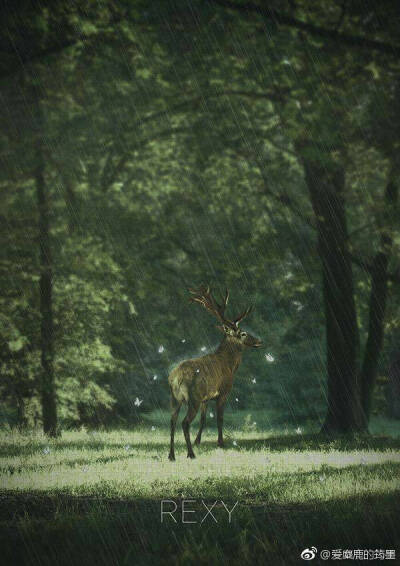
x,y
326,188
377,306
393,388
21,415
48,395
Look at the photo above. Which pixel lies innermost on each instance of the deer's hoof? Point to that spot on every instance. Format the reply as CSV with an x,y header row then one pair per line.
x,y
221,445
171,457
191,455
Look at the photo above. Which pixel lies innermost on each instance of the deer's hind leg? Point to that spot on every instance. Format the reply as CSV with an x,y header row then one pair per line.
x,y
202,423
193,407
176,405
220,419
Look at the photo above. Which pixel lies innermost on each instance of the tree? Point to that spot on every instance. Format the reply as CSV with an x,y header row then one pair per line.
x,y
348,390
48,394
254,163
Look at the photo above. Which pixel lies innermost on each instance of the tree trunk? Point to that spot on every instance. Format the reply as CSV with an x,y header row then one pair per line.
x,y
21,414
48,395
377,305
326,188
393,388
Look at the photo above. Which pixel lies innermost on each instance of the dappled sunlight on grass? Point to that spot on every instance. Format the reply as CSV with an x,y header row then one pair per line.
x,y
102,490
125,464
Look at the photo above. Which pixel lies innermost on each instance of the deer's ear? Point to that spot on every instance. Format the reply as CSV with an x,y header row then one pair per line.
x,y
225,329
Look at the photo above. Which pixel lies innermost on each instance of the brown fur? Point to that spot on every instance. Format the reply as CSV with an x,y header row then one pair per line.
x,y
199,380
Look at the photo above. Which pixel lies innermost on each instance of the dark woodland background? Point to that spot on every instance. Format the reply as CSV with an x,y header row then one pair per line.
x,y
151,146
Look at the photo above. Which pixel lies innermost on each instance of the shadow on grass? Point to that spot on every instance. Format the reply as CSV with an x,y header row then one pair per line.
x,y
122,532
39,504
317,442
38,447
12,469
278,443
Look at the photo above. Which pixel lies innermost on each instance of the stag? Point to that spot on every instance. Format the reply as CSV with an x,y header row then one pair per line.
x,y
199,380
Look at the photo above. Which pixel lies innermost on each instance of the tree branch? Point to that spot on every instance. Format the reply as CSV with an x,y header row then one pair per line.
x,y
341,17
274,95
313,29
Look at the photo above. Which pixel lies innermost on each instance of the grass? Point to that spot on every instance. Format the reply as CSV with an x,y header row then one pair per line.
x,y
94,497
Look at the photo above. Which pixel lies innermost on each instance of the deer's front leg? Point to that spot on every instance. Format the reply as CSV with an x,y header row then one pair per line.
x,y
176,405
202,423
220,419
191,413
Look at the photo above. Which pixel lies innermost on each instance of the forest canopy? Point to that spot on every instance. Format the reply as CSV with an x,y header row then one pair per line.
x,y
150,147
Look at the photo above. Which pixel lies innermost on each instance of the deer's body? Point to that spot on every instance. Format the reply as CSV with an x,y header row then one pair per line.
x,y
200,380
207,377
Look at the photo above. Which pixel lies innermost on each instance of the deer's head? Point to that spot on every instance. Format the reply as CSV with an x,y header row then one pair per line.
x,y
229,327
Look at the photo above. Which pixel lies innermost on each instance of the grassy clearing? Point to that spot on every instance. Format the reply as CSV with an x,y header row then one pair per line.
x,y
96,495
134,465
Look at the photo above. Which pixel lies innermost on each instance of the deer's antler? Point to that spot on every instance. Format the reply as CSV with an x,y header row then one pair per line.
x,y
204,296
242,315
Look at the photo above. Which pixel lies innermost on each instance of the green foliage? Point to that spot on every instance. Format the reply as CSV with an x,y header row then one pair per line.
x,y
165,171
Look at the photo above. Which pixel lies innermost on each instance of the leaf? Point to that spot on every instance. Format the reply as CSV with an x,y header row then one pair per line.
x,y
374,70
17,344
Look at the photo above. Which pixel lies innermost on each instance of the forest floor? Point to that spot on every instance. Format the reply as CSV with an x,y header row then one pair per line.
x,y
94,497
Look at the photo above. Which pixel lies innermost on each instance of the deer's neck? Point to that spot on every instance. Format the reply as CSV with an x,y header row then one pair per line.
x,y
231,352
